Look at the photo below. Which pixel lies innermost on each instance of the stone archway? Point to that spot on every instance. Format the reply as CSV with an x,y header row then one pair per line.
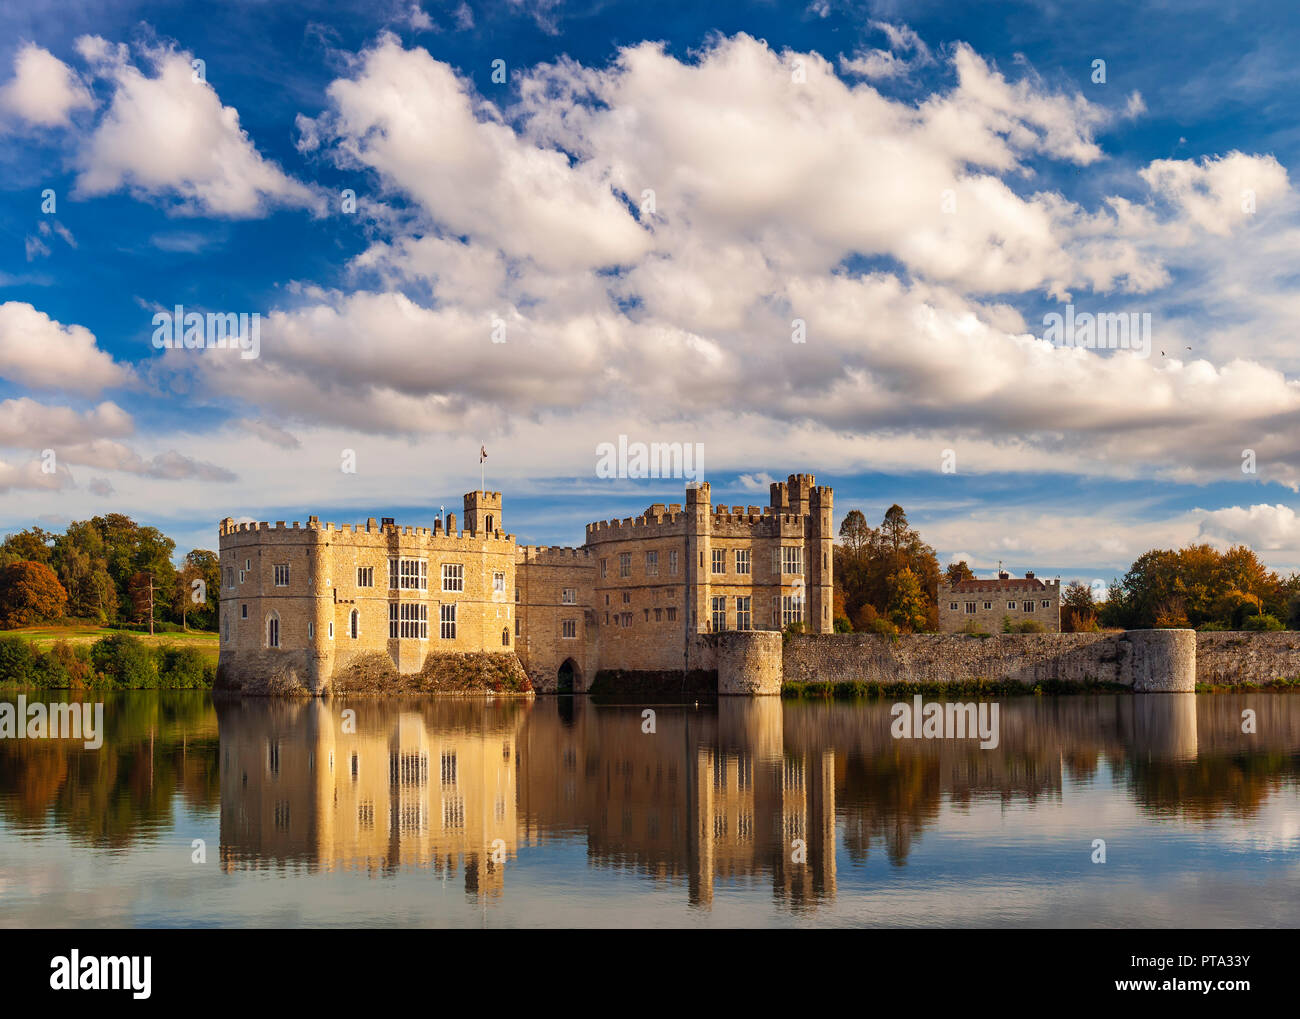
x,y
568,678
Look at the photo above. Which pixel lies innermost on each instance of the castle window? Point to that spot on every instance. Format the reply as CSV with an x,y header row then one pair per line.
x,y
652,564
354,624
988,604
569,596
453,577
791,559
311,631
413,574
952,605
719,614
1011,605
392,574
659,614
516,596
516,626
569,629
230,577
331,631
1029,606
604,568
791,610
627,598
606,598
970,608
743,615
672,561
242,575
672,613
489,526
505,638
625,564
282,575
742,561
606,618
1046,604
647,614
365,576
392,621
447,618
719,558
243,611
273,630
499,583
414,620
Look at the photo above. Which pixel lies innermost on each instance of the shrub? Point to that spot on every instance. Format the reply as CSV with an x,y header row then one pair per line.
x,y
74,660
125,662
16,660
842,624
48,672
884,628
181,668
1262,622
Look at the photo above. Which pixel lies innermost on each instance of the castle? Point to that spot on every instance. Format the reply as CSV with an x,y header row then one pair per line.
x,y
985,605
641,594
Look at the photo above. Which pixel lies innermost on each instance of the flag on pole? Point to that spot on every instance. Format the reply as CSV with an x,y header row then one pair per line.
x,y
482,453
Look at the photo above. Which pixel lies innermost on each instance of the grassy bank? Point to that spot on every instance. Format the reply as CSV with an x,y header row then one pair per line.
x,y
77,634
115,661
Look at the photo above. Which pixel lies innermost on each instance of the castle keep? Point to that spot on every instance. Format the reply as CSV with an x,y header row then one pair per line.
x,y
642,594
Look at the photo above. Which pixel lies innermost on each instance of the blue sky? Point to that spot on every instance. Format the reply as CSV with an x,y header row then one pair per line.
x,y
920,184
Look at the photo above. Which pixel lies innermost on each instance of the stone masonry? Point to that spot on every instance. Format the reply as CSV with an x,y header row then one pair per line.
x,y
301,602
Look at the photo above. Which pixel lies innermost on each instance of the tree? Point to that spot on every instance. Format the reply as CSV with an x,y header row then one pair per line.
x,y
867,561
907,602
31,545
79,559
143,597
958,572
855,533
30,593
1078,610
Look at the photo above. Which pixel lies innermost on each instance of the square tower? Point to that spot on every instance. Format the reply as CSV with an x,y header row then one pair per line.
x,y
483,512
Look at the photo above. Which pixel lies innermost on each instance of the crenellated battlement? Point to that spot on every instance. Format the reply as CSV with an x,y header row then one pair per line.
x,y
310,597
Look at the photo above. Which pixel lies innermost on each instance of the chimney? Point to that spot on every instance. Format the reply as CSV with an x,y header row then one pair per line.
x,y
1029,574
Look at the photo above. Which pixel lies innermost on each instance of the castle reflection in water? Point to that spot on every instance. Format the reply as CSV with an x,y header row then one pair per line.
x,y
742,791
461,785
750,792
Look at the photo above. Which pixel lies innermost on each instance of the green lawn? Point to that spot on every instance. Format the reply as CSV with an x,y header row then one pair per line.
x,y
84,634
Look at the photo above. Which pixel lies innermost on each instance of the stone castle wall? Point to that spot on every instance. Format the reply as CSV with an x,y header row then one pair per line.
x,y
1143,659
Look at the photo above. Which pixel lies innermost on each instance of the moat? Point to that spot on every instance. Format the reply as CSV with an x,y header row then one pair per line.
x,y
567,812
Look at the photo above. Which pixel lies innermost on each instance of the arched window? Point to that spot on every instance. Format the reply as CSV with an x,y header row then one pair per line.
x,y
354,624
505,638
490,528
273,630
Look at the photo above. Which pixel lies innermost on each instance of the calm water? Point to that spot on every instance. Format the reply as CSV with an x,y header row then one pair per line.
x,y
563,812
